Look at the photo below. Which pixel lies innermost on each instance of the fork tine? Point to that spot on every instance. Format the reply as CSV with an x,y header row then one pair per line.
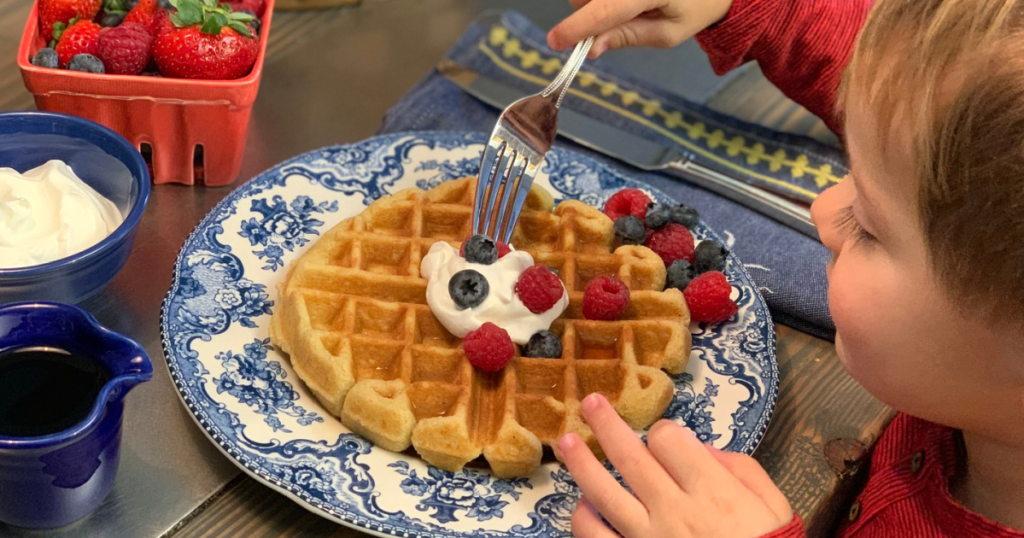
x,y
529,172
486,178
511,186
522,137
500,179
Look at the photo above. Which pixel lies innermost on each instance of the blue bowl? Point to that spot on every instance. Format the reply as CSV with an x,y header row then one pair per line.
x,y
101,158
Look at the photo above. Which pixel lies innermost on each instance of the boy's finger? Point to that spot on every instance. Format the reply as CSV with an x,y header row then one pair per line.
x,y
586,522
685,458
604,492
754,477
626,451
593,18
640,32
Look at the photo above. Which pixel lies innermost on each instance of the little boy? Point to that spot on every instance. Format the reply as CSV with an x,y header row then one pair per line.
x,y
926,282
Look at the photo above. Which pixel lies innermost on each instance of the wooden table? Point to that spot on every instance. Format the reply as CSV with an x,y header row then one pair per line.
x,y
823,422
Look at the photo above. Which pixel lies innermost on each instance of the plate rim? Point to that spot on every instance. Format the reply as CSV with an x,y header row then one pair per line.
x,y
351,518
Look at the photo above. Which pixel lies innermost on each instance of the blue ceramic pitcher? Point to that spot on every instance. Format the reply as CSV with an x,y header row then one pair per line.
x,y
53,480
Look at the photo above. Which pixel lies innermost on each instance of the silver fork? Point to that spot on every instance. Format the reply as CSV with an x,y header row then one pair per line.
x,y
520,140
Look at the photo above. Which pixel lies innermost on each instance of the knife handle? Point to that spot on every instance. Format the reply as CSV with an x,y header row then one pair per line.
x,y
792,214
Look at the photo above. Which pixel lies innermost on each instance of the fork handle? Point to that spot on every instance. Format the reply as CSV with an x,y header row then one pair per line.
x,y
565,77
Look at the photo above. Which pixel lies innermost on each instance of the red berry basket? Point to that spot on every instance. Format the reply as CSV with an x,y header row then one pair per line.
x,y
187,124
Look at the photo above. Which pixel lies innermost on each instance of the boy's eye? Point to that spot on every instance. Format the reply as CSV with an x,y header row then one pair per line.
x,y
847,223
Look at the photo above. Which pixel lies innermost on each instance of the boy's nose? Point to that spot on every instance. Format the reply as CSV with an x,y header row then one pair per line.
x,y
824,212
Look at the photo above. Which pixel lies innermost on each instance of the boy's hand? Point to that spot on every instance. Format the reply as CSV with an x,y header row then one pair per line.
x,y
682,487
635,23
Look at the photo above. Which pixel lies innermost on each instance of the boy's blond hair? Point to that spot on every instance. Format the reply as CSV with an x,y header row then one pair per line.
x,y
948,76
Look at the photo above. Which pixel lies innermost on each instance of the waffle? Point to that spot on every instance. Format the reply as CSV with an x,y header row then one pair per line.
x,y
353,318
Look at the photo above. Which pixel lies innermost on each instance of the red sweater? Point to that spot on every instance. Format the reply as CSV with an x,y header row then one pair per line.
x,y
803,46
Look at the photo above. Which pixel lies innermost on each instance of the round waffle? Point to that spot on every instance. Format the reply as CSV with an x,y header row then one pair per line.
x,y
354,319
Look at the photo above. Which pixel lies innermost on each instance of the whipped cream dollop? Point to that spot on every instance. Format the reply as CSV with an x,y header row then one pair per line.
x,y
48,213
502,306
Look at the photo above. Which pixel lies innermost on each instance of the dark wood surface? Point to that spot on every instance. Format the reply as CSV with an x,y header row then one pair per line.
x,y
823,423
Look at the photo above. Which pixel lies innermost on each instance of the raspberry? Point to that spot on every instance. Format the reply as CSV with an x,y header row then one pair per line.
x,y
638,207
256,7
673,242
707,296
125,49
627,202
605,298
539,289
503,249
489,347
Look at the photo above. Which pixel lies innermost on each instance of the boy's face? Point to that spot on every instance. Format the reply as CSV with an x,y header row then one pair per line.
x,y
897,332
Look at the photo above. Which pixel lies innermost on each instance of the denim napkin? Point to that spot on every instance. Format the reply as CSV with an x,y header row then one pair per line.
x,y
788,267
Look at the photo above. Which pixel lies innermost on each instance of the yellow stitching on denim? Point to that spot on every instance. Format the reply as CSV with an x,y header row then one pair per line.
x,y
775,163
798,167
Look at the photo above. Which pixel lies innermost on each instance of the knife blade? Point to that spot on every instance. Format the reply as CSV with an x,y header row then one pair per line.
x,y
637,151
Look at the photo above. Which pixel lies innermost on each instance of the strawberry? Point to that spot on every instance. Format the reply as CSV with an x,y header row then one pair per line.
x,y
200,45
125,49
144,13
81,38
52,12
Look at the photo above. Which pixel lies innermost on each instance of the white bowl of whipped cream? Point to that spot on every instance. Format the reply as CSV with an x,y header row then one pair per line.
x,y
72,193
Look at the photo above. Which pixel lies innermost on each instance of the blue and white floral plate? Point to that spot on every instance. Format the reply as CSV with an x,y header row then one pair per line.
x,y
243,392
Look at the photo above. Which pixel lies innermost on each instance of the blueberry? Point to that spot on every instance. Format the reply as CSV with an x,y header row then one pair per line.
x,y
658,215
480,249
630,230
130,4
111,20
685,215
679,275
87,63
166,4
468,288
709,256
46,57
543,345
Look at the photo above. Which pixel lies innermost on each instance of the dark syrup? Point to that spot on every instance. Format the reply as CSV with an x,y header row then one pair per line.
x,y
46,390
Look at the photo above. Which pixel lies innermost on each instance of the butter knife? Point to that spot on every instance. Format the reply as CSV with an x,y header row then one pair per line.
x,y
639,152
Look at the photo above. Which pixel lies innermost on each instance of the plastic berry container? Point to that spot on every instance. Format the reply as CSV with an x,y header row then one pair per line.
x,y
182,125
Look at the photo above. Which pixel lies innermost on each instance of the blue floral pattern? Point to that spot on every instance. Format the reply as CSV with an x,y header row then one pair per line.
x,y
446,171
259,383
694,408
445,494
284,226
215,322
